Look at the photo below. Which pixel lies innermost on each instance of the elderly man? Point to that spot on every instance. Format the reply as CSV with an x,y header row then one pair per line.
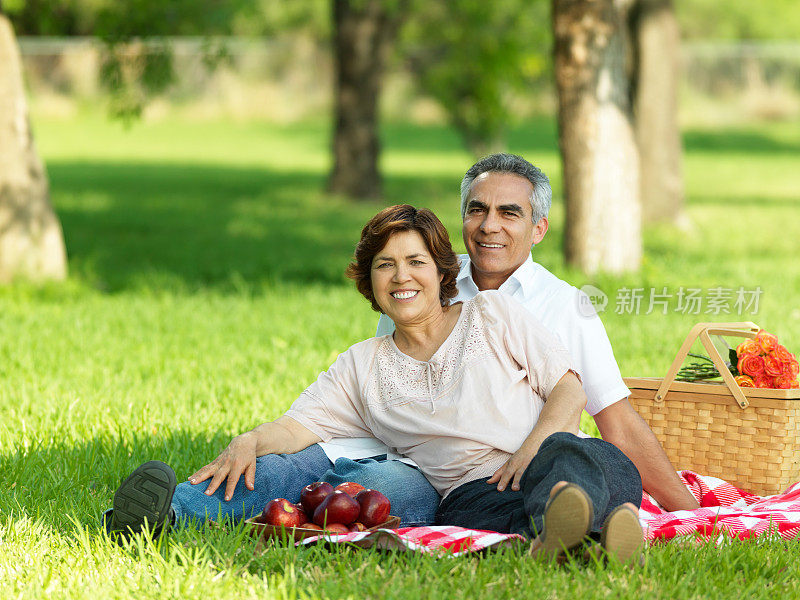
x,y
504,204
505,201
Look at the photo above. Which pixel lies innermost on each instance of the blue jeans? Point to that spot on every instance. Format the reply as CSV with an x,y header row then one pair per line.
x,y
413,499
601,469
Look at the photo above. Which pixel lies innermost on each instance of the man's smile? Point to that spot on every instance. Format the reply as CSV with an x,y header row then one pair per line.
x,y
487,245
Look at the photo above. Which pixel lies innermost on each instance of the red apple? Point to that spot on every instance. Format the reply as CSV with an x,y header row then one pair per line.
x,y
350,487
302,509
313,495
282,513
374,507
337,528
358,527
312,526
338,507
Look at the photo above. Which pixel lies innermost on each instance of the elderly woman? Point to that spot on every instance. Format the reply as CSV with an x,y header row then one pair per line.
x,y
478,394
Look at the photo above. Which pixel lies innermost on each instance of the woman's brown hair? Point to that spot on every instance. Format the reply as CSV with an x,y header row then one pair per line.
x,y
385,224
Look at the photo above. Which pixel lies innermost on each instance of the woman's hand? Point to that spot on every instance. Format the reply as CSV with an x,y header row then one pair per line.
x,y
239,457
284,435
514,467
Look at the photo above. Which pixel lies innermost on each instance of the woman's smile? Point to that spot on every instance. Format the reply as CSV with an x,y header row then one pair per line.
x,y
404,295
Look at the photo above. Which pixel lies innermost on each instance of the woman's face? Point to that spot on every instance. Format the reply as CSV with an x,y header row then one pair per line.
x,y
405,280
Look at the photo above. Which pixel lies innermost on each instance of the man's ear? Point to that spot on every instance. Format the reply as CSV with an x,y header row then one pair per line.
x,y
539,230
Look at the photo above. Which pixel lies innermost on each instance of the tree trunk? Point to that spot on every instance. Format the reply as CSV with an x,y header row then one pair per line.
x,y
31,242
598,148
363,33
656,40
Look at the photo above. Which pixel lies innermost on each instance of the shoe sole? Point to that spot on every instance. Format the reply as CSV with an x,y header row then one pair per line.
x,y
144,497
568,517
622,535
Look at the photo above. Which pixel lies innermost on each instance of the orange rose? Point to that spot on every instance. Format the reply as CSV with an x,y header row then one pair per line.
x,y
749,346
744,381
767,341
782,354
751,364
783,383
788,370
795,385
793,367
772,366
762,381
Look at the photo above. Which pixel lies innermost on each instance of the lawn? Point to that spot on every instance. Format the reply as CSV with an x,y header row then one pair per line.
x,y
206,265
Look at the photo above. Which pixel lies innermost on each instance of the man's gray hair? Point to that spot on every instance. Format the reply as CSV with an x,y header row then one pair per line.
x,y
542,195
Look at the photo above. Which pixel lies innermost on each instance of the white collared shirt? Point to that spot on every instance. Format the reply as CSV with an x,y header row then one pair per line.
x,y
561,308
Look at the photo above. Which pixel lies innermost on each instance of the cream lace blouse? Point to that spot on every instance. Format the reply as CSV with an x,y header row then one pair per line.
x,y
461,414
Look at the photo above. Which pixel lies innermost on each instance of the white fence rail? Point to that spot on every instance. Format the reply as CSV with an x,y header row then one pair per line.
x,y
290,77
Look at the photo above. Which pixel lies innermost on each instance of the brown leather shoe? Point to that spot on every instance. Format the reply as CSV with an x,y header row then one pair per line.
x,y
568,517
622,537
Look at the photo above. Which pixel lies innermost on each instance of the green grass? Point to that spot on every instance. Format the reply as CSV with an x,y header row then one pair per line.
x,y
206,292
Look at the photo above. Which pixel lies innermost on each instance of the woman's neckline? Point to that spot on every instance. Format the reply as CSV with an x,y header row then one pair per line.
x,y
444,343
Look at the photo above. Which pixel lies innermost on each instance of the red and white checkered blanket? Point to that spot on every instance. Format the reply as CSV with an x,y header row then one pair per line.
x,y
724,511
452,541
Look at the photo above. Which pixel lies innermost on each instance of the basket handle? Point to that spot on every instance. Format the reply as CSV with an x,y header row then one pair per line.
x,y
745,329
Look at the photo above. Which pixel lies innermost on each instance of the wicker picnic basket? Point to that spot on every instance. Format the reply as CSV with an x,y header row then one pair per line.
x,y
747,436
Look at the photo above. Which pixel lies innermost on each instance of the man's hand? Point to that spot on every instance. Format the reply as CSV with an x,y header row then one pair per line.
x,y
239,457
513,469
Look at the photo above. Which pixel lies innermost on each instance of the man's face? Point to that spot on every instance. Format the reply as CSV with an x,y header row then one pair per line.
x,y
498,230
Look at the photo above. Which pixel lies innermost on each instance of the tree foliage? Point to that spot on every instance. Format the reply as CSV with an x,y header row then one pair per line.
x,y
700,19
275,17
471,56
739,19
137,57
174,17
53,17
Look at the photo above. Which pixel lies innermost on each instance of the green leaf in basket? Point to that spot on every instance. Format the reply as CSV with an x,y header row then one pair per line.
x,y
734,358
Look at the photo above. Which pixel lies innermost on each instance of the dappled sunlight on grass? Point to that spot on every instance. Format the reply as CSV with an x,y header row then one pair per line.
x,y
206,291
161,202
227,217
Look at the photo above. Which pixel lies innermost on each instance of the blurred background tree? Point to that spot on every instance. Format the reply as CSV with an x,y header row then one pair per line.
x,y
617,69
599,158
31,241
364,32
476,59
481,64
655,75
